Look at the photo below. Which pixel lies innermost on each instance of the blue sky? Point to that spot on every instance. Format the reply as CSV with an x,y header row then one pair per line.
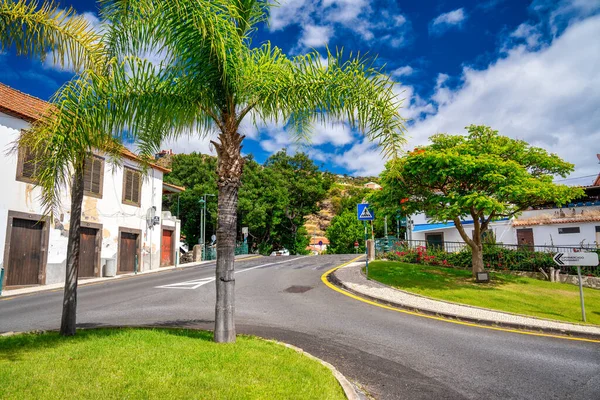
x,y
527,68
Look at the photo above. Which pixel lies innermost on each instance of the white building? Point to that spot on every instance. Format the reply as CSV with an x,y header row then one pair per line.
x,y
122,219
572,226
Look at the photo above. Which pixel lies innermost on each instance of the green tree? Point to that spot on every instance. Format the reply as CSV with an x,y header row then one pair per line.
x,y
212,79
481,177
345,229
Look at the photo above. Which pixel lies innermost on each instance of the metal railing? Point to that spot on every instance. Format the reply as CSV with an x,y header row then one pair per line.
x,y
496,256
211,252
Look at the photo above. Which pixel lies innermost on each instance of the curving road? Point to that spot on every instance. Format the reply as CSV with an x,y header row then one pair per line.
x,y
391,355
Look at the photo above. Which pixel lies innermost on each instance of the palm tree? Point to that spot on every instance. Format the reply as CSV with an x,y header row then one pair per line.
x,y
214,90
77,122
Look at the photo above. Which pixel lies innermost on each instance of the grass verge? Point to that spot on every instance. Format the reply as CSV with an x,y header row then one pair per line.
x,y
504,292
157,364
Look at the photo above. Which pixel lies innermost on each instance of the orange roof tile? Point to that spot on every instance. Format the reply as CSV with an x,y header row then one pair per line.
x,y
29,108
21,105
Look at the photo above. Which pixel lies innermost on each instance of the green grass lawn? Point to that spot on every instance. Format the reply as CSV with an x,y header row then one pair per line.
x,y
157,364
504,292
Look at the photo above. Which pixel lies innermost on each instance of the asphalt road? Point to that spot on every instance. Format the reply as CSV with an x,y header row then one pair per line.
x,y
392,355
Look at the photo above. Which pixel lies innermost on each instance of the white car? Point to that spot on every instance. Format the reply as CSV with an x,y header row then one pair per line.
x,y
281,252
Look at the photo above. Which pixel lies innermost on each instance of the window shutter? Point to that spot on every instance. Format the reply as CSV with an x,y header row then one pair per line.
x,y
96,175
29,163
87,174
128,184
135,193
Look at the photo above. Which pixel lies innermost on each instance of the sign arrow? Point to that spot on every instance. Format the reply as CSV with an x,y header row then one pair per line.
x,y
557,258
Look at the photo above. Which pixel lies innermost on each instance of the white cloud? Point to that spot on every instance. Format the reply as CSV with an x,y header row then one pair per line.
x,y
443,22
382,24
315,36
191,143
402,71
363,159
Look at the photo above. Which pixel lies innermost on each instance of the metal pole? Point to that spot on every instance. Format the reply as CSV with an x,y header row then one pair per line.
x,y
398,228
177,206
581,293
204,228
385,233
366,249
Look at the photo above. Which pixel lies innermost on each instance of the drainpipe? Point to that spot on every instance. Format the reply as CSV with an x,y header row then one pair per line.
x,y
1,280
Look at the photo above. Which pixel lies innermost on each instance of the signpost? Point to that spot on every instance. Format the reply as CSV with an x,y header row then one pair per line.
x,y
578,259
365,214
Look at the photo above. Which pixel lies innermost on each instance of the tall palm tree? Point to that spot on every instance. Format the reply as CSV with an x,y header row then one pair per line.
x,y
71,129
213,90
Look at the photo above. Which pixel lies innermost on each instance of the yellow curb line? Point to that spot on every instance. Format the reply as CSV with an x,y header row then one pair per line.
x,y
79,284
416,314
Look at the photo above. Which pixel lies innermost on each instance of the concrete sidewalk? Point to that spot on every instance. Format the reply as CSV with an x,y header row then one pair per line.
x,y
88,281
352,279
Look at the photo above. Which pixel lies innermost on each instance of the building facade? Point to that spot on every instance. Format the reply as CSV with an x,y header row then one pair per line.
x,y
123,227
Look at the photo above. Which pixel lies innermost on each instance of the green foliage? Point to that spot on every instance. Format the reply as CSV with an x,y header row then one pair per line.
x,y
345,229
273,200
481,176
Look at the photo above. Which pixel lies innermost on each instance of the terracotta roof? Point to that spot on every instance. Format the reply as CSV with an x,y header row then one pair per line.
x,y
172,188
583,218
132,156
29,108
597,181
21,105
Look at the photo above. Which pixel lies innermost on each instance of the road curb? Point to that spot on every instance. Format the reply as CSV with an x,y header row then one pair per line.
x,y
565,334
349,390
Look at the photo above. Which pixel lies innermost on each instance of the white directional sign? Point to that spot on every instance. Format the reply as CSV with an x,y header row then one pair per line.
x,y
575,259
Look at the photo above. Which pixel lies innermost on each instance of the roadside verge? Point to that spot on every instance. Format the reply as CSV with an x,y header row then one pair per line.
x,y
349,280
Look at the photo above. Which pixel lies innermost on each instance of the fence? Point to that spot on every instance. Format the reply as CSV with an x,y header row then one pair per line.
x,y
211,252
496,256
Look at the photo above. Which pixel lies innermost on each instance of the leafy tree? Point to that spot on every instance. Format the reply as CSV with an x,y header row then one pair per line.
x,y
345,229
480,177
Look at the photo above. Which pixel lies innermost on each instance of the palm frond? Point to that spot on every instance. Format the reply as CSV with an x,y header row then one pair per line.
x,y
304,90
34,29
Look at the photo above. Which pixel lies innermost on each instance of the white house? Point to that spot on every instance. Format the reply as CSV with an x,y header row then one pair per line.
x,y
122,220
574,225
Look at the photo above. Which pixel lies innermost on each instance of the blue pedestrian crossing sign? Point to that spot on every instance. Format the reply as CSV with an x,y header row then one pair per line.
x,y
364,213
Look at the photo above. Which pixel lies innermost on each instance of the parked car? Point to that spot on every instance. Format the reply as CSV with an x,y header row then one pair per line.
x,y
281,252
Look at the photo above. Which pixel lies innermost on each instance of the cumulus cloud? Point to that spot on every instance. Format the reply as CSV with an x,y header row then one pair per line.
x,y
446,21
402,71
315,36
382,24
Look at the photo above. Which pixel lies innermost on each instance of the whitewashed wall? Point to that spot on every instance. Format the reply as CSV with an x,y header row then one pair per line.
x,y
108,211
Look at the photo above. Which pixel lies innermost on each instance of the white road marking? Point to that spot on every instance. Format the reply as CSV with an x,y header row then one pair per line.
x,y
195,284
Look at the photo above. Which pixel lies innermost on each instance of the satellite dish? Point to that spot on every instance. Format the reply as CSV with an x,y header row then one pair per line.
x,y
150,214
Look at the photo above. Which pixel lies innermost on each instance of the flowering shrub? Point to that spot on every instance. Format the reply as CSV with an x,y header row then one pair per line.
x,y
494,257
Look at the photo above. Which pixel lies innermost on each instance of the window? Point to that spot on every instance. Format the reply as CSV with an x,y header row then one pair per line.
x,y
93,176
568,230
27,165
132,186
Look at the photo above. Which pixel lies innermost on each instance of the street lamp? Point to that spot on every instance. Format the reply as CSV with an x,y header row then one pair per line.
x,y
203,223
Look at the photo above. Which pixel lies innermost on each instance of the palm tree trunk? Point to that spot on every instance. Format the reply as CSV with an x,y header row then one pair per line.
x,y
229,170
69,312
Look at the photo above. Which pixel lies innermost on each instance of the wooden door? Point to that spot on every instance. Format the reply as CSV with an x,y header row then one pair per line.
x,y
166,248
525,238
25,253
88,253
127,252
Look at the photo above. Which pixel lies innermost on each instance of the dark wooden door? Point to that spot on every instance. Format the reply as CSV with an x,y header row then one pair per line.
x,y
525,238
25,254
166,248
88,254
127,252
